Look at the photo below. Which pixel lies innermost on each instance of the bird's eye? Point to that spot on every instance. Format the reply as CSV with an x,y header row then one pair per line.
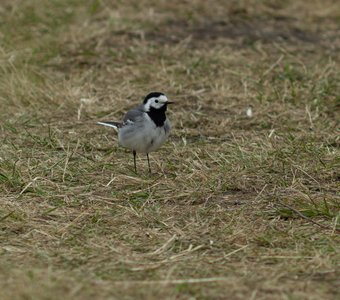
x,y
156,101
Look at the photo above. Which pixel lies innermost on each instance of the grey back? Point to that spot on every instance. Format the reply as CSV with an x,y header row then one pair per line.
x,y
134,114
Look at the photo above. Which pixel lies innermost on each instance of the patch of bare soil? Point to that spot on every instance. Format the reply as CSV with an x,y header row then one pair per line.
x,y
239,32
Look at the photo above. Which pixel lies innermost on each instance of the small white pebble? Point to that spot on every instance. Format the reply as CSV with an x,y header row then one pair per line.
x,y
249,112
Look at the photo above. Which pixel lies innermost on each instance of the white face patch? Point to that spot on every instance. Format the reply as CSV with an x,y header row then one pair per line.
x,y
155,102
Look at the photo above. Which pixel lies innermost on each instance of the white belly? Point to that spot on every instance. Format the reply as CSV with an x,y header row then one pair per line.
x,y
142,138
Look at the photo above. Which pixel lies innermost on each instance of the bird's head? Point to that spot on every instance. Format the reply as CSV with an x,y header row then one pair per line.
x,y
155,101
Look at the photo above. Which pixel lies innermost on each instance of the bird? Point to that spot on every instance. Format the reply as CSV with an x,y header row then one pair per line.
x,y
144,128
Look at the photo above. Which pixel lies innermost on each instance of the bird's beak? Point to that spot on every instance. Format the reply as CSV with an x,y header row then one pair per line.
x,y
170,102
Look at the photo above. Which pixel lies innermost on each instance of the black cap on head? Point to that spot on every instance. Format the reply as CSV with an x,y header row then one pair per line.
x,y
151,95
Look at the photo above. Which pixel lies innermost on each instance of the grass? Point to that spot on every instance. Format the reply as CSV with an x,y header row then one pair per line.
x,y
237,207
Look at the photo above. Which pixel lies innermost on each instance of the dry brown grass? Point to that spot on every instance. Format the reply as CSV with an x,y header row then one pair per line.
x,y
238,207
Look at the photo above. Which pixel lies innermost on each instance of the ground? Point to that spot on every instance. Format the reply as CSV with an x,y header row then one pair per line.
x,y
237,207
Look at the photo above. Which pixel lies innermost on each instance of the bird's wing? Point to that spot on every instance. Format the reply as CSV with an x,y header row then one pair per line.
x,y
134,114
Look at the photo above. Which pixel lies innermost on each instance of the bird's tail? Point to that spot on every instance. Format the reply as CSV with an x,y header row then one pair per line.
x,y
115,125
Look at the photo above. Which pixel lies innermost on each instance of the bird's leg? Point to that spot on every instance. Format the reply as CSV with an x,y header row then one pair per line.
x,y
147,155
134,160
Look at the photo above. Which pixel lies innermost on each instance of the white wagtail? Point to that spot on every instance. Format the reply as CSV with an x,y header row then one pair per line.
x,y
145,127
